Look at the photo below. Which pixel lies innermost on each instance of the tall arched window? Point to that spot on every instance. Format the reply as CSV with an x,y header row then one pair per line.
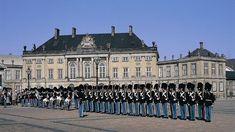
x,y
87,71
72,71
102,70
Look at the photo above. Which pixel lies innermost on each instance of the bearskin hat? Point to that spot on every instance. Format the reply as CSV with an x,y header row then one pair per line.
x,y
200,86
164,86
208,86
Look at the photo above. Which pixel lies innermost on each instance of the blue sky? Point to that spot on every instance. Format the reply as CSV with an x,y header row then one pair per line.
x,y
177,26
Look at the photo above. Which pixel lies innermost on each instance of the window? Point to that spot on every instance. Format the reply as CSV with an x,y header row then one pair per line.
x,y
221,71
125,72
60,73
115,72
221,86
148,72
8,75
60,61
125,59
160,71
206,71
87,71
148,58
29,61
214,87
102,70
137,58
137,72
176,68
50,61
185,69
213,69
17,74
168,71
39,61
72,71
50,73
115,59
38,73
193,68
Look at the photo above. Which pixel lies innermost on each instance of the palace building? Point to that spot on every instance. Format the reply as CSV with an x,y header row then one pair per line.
x,y
200,65
104,58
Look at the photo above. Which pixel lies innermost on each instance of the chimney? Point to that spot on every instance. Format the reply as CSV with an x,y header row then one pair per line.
x,y
57,33
34,47
201,45
154,44
164,58
172,57
73,32
130,30
113,30
25,48
181,56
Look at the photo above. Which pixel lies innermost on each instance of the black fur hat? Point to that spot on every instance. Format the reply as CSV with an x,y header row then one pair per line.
x,y
164,86
136,86
156,86
142,86
171,86
208,86
149,85
130,86
182,86
200,86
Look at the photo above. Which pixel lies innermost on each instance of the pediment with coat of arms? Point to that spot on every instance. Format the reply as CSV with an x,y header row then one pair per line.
x,y
87,42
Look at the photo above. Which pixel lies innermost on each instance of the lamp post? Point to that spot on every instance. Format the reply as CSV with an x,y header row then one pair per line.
x,y
97,61
28,71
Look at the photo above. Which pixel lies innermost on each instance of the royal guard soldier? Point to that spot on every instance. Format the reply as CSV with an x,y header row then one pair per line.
x,y
156,100
102,99
106,95
191,98
111,99
182,97
75,97
164,99
209,98
136,100
200,101
142,100
173,100
123,99
117,100
86,103
129,100
90,98
81,97
96,99
5,97
149,99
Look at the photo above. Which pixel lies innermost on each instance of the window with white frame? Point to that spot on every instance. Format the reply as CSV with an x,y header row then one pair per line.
x,y
8,75
28,61
125,72
125,59
87,71
213,69
115,59
137,58
214,87
221,71
193,68
102,70
72,71
206,69
137,72
38,74
221,86
50,61
148,58
176,69
17,75
50,73
168,71
185,69
160,71
148,72
60,61
115,72
60,73
39,61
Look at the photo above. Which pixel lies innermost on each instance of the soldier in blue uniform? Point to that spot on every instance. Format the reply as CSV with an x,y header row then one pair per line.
x,y
191,98
129,100
123,99
173,100
142,100
182,97
200,101
156,100
209,98
149,99
111,99
117,99
81,96
164,99
136,100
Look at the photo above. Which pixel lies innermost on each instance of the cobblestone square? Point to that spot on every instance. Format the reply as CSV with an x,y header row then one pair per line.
x,y
28,119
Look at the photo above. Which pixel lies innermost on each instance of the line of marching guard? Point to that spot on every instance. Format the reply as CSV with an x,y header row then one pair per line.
x,y
134,100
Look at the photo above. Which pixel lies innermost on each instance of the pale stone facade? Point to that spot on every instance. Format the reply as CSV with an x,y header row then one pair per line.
x,y
199,66
76,65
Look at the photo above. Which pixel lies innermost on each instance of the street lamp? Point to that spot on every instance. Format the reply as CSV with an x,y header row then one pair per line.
x,y
28,71
97,61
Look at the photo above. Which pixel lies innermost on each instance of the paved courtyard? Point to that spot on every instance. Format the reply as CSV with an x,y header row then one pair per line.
x,y
28,119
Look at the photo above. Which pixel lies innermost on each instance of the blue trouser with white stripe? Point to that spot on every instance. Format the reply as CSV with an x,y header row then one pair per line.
x,y
183,111
208,113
